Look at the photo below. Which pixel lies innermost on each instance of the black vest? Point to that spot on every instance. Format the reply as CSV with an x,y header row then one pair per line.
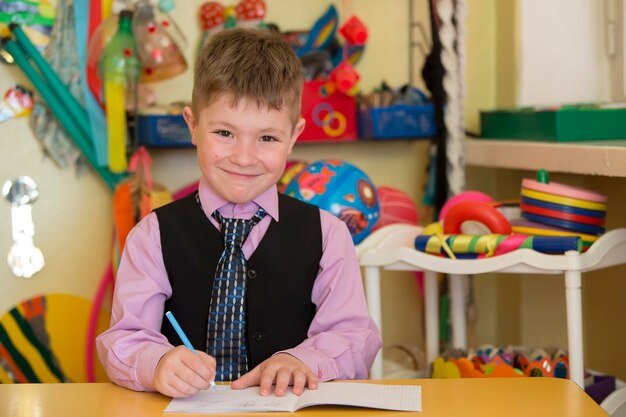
x,y
280,275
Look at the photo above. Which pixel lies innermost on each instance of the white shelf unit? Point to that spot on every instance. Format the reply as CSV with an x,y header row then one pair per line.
x,y
392,248
607,158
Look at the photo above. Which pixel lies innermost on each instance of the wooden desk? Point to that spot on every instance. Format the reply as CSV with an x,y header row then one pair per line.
x,y
440,397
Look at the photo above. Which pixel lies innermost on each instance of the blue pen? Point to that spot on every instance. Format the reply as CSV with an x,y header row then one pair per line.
x,y
181,334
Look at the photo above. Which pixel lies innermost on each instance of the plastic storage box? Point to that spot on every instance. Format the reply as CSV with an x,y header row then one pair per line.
x,y
561,124
163,130
400,121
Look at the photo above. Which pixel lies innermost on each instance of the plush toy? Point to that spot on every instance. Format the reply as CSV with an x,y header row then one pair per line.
x,y
342,189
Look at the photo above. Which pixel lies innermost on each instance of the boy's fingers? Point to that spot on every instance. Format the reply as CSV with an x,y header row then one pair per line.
x,y
209,361
283,378
250,379
202,364
267,380
311,380
181,387
299,381
187,376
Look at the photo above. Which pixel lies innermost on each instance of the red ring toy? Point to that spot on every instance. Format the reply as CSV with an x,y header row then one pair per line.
x,y
478,211
461,197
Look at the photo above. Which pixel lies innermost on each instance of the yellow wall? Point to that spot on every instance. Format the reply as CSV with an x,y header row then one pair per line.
x,y
73,215
73,219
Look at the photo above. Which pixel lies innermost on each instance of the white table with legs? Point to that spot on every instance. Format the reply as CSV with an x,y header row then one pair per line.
x,y
393,247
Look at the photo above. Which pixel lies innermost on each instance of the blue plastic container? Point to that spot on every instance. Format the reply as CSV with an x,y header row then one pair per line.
x,y
164,131
400,121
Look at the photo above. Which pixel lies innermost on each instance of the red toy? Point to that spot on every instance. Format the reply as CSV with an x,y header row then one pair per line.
x,y
395,207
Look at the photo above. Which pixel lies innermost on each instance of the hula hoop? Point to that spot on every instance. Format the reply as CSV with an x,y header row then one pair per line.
x,y
478,211
567,209
108,279
561,215
564,190
577,227
563,200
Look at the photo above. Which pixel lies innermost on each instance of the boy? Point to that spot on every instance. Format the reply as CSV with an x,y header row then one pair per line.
x,y
298,313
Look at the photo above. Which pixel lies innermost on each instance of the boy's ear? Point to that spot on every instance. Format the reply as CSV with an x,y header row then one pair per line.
x,y
297,130
191,122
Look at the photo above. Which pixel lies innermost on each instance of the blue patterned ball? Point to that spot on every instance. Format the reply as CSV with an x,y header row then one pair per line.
x,y
342,189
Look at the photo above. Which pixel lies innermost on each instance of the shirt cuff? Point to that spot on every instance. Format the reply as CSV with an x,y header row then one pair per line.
x,y
322,366
148,361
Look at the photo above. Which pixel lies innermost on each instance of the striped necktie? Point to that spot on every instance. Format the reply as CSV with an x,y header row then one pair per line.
x,y
226,336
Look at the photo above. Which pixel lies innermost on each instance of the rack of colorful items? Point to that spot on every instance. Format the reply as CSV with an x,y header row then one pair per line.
x,y
394,248
519,361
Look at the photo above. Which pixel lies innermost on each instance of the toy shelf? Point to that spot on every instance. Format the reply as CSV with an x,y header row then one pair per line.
x,y
392,248
607,158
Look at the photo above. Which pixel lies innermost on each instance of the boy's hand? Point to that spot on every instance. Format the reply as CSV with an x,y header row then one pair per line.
x,y
282,369
181,372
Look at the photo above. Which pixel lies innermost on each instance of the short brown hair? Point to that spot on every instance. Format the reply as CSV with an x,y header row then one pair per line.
x,y
251,63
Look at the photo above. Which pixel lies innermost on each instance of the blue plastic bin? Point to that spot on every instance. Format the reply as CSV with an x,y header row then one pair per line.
x,y
399,121
163,130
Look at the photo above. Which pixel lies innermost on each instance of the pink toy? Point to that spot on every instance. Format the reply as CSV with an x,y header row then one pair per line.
x,y
564,190
463,196
395,207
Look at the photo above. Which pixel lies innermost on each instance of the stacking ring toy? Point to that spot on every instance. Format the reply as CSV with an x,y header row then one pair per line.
x,y
563,215
564,190
551,198
577,227
564,209
478,211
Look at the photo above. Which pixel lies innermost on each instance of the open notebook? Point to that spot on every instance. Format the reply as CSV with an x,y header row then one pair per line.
x,y
223,399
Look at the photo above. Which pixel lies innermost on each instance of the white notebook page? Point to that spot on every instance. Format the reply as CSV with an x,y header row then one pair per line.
x,y
223,399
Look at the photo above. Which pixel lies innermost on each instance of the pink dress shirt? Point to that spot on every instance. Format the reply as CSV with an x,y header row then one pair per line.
x,y
342,339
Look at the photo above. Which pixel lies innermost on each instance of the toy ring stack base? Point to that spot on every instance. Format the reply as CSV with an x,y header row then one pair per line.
x,y
553,209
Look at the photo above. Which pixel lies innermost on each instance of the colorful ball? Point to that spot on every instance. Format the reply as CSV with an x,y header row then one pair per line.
x,y
395,207
342,189
292,168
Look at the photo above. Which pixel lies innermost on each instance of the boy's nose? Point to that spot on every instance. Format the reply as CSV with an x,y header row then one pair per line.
x,y
244,153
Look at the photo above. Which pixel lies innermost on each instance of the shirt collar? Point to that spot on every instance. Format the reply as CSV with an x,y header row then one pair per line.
x,y
212,201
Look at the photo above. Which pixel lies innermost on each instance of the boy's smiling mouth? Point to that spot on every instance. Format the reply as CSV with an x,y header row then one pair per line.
x,y
242,175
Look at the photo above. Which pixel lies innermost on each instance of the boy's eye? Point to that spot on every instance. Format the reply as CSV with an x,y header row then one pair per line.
x,y
268,139
224,133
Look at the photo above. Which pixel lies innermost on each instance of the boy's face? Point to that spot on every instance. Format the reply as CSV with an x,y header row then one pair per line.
x,y
241,151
